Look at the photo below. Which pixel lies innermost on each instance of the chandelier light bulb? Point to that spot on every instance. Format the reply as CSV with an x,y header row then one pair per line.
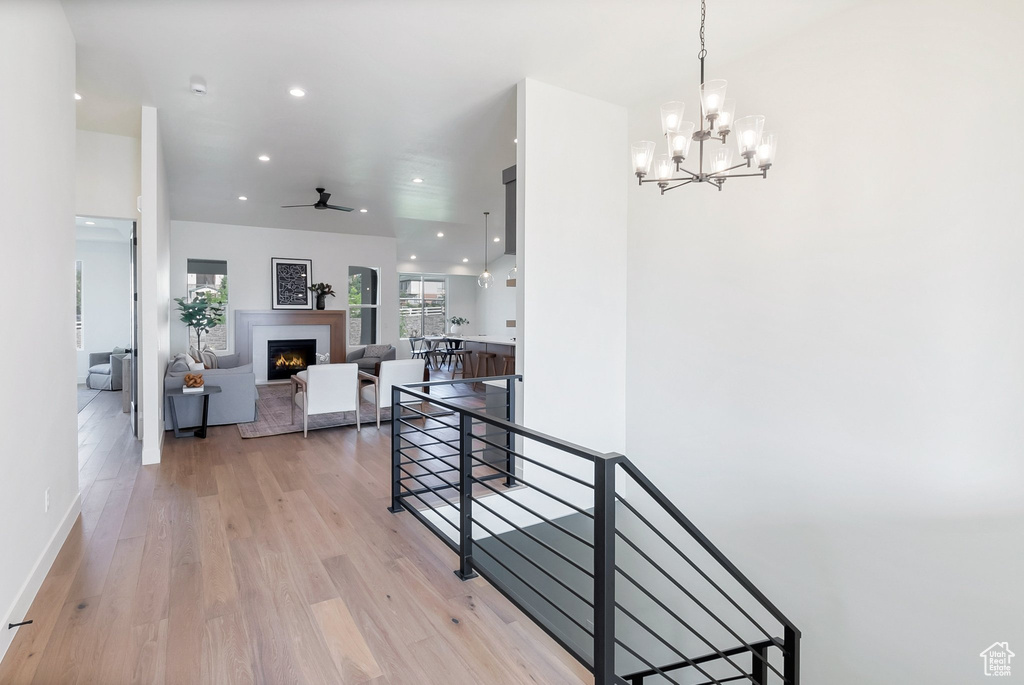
x,y
713,96
671,116
679,141
663,167
726,116
766,151
721,160
643,155
748,134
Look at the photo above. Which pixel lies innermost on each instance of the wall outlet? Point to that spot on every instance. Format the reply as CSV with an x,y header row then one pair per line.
x,y
46,501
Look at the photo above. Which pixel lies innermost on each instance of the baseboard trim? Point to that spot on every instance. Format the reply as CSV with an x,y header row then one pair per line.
x,y
27,594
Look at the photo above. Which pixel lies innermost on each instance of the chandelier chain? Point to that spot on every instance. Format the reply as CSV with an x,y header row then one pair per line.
x,y
703,13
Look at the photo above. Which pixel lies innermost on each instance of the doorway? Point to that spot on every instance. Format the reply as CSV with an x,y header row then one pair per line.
x,y
105,321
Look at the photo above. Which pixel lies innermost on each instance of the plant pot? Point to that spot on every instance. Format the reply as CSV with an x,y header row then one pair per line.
x,y
321,301
455,329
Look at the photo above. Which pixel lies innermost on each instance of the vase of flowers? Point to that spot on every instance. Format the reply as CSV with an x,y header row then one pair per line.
x,y
322,290
457,323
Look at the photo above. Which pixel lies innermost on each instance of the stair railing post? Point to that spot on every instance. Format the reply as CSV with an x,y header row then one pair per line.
x,y
759,666
791,669
604,569
396,450
510,438
465,571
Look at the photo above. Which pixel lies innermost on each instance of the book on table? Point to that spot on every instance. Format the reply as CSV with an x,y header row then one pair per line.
x,y
185,389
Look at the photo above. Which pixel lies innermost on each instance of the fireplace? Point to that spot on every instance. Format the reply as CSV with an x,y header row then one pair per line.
x,y
285,358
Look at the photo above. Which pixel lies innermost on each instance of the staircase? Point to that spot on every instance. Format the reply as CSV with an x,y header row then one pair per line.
x,y
583,543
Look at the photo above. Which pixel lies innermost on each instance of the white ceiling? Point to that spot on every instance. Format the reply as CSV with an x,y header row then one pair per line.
x,y
396,89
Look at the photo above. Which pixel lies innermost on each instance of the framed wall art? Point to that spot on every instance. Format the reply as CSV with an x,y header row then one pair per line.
x,y
290,280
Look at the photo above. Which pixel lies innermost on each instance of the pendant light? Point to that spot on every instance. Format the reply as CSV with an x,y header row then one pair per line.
x,y
485,279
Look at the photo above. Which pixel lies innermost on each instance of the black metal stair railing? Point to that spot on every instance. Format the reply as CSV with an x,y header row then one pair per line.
x,y
583,542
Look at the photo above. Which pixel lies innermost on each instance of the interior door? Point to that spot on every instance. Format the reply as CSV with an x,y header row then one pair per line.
x,y
133,249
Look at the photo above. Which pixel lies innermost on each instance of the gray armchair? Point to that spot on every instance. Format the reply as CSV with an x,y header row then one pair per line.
x,y
368,363
105,370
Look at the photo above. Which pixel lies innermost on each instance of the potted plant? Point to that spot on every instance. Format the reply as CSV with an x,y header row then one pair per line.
x,y
457,322
322,290
200,315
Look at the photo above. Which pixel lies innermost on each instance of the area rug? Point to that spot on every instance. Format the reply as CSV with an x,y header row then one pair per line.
x,y
85,396
274,409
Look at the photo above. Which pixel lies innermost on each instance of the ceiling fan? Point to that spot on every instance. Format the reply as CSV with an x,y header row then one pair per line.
x,y
321,203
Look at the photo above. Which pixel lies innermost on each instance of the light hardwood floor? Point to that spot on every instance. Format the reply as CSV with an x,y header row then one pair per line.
x,y
271,560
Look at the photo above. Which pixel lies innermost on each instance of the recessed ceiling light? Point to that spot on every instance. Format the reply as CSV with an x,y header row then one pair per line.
x,y
298,92
90,223
243,198
497,239
412,256
78,96
363,211
515,140
440,234
264,158
417,180
465,259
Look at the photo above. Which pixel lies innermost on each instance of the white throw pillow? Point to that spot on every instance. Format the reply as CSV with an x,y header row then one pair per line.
x,y
209,358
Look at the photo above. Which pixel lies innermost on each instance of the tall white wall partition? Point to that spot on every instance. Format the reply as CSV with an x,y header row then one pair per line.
x,y
154,294
38,457
839,347
572,264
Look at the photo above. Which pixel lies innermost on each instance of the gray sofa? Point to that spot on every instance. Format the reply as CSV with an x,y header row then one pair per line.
x,y
235,403
358,356
105,370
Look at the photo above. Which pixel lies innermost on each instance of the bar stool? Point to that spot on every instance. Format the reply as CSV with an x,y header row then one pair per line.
x,y
508,366
486,365
459,357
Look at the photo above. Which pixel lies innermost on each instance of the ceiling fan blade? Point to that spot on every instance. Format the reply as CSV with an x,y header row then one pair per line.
x,y
290,206
343,209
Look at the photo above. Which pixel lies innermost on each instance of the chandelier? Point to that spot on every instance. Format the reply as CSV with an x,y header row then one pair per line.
x,y
717,121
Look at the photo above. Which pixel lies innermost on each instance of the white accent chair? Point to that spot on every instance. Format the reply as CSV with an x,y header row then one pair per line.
x,y
395,372
328,388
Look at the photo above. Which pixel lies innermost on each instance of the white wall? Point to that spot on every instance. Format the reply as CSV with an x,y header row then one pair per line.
x,y
154,300
572,264
248,251
107,175
106,298
37,193
496,305
840,346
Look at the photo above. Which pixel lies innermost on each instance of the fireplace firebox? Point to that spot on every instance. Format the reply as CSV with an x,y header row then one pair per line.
x,y
285,358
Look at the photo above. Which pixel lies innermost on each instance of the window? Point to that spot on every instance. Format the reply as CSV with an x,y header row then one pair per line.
x,y
362,305
209,278
422,305
78,306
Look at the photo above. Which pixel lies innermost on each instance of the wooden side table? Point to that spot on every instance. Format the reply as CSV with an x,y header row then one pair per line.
x,y
195,431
